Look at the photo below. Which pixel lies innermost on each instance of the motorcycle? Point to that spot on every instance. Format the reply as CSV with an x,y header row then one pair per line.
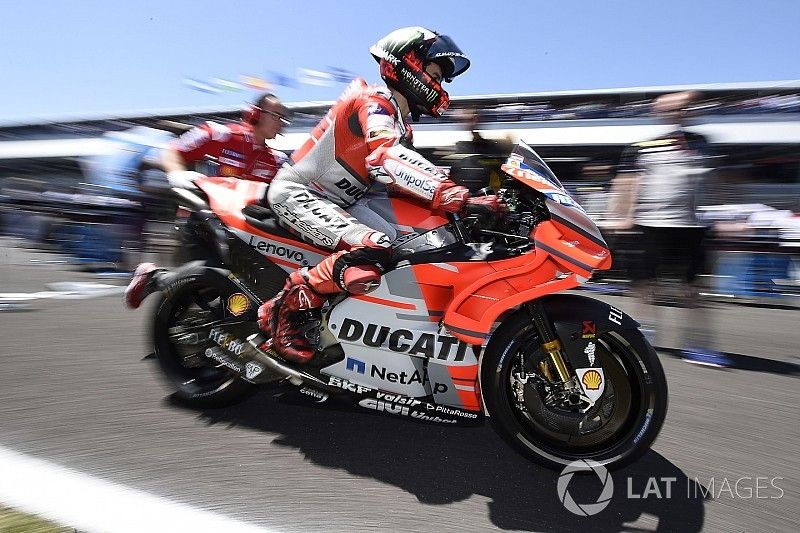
x,y
469,323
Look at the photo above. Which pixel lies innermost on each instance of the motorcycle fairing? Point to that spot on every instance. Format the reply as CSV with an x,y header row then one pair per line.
x,y
557,264
568,247
394,331
229,196
289,255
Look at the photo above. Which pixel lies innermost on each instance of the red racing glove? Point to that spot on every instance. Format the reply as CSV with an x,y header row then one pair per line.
x,y
449,197
485,205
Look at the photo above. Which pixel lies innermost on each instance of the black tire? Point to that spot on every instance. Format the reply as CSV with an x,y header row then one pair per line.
x,y
200,384
634,418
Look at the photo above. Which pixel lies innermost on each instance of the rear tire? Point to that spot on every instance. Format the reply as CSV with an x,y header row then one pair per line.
x,y
197,381
633,418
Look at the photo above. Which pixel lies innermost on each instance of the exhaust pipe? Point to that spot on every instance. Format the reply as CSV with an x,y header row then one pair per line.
x,y
271,360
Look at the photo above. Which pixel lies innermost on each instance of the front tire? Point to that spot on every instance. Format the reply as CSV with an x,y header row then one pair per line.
x,y
620,427
188,302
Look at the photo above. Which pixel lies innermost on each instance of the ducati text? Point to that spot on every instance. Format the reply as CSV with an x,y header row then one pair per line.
x,y
428,345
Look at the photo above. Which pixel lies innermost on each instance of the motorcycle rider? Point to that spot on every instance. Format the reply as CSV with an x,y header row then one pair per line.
x,y
239,149
361,140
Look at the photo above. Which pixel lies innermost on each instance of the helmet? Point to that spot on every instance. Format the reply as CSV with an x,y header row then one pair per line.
x,y
403,55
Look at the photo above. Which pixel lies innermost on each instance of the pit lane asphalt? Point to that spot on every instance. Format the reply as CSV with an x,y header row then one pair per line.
x,y
75,390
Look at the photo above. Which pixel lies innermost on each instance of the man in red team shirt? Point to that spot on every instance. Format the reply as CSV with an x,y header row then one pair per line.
x,y
239,149
364,138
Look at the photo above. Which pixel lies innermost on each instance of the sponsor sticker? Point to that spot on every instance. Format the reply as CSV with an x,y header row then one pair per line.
x,y
252,370
346,385
399,405
430,345
314,393
238,303
218,356
615,315
227,341
589,330
275,249
592,382
589,351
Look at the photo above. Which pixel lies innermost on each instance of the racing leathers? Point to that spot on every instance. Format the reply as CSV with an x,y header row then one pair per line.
x,y
360,141
233,147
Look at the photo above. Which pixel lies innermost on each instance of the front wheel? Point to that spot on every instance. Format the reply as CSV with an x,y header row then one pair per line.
x,y
617,429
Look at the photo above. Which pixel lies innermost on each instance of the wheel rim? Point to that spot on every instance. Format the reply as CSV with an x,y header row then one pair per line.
x,y
606,426
185,363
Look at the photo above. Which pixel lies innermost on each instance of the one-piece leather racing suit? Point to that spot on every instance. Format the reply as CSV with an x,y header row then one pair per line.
x,y
360,141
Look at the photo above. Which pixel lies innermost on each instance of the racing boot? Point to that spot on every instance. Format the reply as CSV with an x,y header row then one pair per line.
x,y
279,318
141,285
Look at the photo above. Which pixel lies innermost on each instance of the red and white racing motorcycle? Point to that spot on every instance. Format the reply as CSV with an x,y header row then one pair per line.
x,y
471,321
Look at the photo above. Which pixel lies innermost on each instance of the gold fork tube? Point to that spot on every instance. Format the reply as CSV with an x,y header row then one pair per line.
x,y
553,349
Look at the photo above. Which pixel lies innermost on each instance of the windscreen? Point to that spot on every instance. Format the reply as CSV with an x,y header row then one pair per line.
x,y
525,165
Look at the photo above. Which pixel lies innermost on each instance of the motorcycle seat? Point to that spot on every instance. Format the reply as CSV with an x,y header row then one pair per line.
x,y
264,219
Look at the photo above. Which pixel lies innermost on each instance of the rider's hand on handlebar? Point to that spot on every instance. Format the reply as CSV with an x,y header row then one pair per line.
x,y
490,204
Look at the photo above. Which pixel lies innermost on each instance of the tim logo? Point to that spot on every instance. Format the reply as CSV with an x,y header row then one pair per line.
x,y
356,366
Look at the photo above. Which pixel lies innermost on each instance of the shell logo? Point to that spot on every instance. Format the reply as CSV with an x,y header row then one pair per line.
x,y
592,379
238,304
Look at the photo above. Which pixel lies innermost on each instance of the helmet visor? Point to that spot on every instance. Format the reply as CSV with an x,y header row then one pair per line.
x,y
449,56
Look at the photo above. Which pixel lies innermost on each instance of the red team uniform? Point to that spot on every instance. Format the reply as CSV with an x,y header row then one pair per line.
x,y
232,145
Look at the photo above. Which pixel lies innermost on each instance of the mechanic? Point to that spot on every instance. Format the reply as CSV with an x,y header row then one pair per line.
x,y
239,149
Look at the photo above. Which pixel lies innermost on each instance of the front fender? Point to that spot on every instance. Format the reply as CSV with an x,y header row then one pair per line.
x,y
579,320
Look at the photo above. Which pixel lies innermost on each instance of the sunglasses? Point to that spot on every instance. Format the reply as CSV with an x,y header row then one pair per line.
x,y
283,118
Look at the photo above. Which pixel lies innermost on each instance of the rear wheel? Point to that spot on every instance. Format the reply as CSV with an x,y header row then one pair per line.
x,y
181,337
618,428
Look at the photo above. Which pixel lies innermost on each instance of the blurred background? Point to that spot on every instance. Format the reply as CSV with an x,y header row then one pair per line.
x,y
83,200
92,190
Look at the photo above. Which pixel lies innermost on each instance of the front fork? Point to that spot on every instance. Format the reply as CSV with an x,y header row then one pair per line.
x,y
551,345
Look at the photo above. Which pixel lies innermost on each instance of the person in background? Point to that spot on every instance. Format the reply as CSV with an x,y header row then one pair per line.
x,y
656,193
476,162
237,150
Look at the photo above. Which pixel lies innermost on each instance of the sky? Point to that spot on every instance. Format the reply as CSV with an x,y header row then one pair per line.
x,y
85,58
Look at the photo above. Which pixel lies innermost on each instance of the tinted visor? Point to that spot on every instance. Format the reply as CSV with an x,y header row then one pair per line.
x,y
449,56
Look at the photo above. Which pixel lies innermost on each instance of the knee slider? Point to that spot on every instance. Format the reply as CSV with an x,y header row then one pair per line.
x,y
361,279
359,271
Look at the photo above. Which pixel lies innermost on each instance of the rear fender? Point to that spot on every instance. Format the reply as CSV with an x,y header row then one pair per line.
x,y
223,280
